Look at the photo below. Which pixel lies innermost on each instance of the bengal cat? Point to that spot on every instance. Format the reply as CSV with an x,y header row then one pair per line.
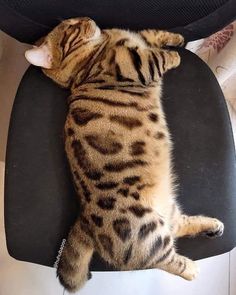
x,y
119,149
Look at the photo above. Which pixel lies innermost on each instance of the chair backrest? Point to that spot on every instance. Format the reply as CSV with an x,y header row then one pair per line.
x,y
193,18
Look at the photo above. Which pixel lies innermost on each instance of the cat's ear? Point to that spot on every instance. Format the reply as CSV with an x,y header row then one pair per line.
x,y
40,56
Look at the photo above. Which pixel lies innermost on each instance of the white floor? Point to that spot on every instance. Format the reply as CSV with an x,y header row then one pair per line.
x,y
217,276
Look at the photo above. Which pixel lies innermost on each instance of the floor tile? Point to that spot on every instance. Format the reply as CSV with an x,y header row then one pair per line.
x,y
233,272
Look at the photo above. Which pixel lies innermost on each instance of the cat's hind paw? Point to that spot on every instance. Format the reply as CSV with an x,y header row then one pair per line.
x,y
216,231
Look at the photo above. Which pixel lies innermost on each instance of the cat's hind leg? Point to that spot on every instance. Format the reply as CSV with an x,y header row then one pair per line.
x,y
195,225
162,255
177,264
73,268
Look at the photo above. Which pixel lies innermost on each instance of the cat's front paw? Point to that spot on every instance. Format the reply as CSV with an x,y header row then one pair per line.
x,y
178,40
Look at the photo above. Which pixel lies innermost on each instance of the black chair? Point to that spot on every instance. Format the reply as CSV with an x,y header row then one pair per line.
x,y
40,202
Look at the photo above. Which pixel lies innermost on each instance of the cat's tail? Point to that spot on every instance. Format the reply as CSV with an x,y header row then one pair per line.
x,y
73,267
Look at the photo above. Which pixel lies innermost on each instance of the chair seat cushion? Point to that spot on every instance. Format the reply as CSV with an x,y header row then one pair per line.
x,y
40,202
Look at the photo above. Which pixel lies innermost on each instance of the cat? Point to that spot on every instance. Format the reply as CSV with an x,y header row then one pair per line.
x,y
119,149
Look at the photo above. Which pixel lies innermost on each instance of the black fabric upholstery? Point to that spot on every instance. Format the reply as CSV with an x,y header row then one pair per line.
x,y
40,203
28,20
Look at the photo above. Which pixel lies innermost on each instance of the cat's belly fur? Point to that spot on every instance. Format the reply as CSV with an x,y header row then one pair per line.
x,y
98,141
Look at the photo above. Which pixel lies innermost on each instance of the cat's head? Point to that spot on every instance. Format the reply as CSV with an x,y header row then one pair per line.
x,y
67,46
